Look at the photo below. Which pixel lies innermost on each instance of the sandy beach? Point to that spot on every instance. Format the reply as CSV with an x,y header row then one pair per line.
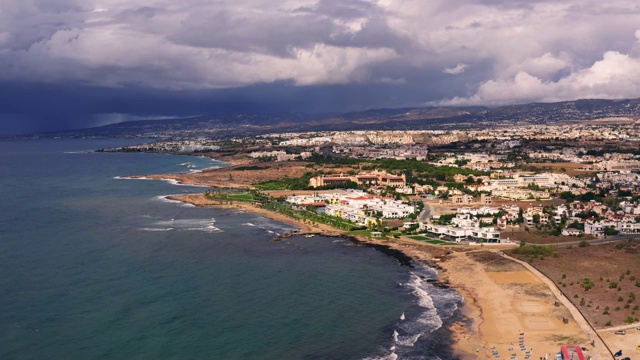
x,y
510,310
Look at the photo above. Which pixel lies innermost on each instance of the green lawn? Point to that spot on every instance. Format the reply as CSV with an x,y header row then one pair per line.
x,y
431,241
244,197
366,233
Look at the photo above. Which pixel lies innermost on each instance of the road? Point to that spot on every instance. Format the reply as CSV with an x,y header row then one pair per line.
x,y
425,214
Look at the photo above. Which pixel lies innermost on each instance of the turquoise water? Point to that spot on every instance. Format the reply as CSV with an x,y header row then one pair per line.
x,y
93,266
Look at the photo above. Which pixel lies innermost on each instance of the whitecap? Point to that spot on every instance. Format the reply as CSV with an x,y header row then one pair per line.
x,y
165,198
156,229
170,181
429,318
408,340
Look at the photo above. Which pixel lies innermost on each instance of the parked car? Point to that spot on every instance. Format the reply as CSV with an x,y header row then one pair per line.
x,y
620,332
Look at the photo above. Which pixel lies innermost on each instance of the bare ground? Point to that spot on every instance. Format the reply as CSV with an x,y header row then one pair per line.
x,y
602,265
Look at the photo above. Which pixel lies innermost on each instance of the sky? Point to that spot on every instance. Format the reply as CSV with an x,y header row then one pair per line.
x,y
79,63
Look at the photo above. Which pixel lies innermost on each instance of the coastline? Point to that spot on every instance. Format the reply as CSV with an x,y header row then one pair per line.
x,y
502,299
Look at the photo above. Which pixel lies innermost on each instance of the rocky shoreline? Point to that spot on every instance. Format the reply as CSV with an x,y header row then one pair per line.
x,y
492,306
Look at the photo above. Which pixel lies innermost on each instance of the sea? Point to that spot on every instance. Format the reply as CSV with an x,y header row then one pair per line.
x,y
95,265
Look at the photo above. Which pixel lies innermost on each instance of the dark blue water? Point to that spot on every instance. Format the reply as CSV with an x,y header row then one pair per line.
x,y
97,267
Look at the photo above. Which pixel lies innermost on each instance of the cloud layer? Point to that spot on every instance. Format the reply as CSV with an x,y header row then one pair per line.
x,y
485,52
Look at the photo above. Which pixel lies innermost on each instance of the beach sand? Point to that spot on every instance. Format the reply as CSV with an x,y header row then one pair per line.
x,y
506,305
513,311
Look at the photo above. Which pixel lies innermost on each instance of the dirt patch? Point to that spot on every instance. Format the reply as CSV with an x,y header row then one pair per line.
x,y
601,280
514,277
541,237
571,169
244,176
627,343
493,262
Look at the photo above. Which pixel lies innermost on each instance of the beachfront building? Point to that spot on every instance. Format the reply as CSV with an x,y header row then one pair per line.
x,y
459,234
375,178
487,234
356,206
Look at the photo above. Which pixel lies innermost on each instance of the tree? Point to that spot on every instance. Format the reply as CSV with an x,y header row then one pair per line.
x,y
568,196
536,218
534,187
610,231
576,225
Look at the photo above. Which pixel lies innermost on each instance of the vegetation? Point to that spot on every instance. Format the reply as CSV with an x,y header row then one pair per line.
x,y
431,241
536,250
253,167
233,196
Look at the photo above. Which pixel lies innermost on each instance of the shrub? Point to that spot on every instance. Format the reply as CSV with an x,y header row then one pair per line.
x,y
587,284
613,285
583,243
620,298
629,320
608,323
535,250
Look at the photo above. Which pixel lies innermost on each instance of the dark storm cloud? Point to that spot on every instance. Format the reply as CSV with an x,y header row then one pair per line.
x,y
406,51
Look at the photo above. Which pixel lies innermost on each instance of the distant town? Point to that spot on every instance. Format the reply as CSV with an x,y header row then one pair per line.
x,y
507,180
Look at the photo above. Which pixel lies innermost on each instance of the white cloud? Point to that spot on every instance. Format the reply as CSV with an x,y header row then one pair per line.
x,y
458,69
505,51
615,76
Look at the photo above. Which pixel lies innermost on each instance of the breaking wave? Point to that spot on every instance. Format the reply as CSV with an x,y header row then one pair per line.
x,y
206,225
416,334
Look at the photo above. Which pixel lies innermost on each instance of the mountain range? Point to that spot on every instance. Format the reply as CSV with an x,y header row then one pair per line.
x,y
430,117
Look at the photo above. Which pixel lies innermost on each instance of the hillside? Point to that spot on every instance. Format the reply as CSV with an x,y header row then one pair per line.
x,y
225,125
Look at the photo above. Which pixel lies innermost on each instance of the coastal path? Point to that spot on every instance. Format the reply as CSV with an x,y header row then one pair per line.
x,y
600,349
605,240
